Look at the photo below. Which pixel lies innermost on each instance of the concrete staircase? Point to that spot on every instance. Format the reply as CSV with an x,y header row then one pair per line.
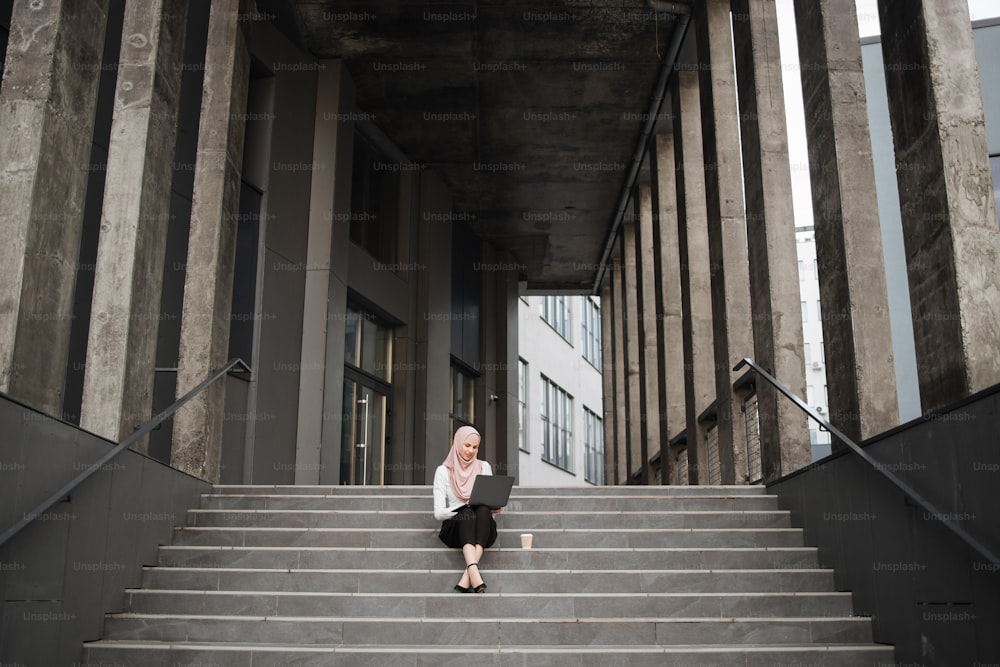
x,y
306,575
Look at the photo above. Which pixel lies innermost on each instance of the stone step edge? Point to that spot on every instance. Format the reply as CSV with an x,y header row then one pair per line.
x,y
126,644
261,510
451,594
492,550
334,529
495,570
509,619
513,496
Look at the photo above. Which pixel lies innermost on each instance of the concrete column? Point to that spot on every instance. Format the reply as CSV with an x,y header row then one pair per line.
x,y
208,283
637,417
669,319
697,338
433,329
774,273
852,284
121,345
620,398
47,108
334,98
732,324
946,195
608,380
650,316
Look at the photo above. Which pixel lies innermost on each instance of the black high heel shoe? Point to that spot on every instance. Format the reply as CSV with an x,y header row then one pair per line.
x,y
481,587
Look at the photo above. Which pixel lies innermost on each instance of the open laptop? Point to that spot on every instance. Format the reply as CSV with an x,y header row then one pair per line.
x,y
490,490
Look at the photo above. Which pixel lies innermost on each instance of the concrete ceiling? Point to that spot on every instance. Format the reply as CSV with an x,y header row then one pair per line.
x,y
530,112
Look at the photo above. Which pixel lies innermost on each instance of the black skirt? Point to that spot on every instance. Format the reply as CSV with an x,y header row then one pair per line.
x,y
449,533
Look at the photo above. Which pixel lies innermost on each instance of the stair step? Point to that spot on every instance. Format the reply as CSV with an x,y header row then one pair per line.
x,y
453,605
543,537
424,503
510,521
156,654
524,559
512,631
500,581
517,491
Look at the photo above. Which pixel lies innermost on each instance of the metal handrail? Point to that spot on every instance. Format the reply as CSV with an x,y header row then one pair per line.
x,y
122,446
907,490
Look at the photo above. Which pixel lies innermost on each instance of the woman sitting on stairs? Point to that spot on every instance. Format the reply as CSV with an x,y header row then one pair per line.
x,y
471,529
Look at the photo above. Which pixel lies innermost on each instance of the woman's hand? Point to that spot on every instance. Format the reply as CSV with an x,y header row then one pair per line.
x,y
496,511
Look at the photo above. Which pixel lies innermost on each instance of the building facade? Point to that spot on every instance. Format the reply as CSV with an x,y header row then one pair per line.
x,y
561,428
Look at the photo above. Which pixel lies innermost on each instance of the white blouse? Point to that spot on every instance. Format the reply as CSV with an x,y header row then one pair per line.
x,y
445,500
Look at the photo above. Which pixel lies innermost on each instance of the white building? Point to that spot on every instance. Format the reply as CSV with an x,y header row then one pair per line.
x,y
561,404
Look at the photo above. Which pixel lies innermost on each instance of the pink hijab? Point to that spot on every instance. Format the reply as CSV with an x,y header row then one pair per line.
x,y
462,473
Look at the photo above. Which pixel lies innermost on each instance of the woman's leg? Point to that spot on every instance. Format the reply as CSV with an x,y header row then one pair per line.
x,y
474,532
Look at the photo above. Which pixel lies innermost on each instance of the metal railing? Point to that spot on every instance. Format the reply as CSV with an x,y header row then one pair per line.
x,y
907,490
42,507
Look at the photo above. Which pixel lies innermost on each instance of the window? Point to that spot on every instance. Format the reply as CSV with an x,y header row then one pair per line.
x,y
374,199
368,344
590,325
995,169
557,425
802,270
593,444
714,465
822,352
815,269
805,313
809,395
555,311
806,353
463,398
522,404
819,312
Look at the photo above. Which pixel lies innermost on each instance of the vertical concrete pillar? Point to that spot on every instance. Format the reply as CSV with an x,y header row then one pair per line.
x,y
669,320
208,283
637,417
852,284
608,380
946,195
433,330
770,228
732,324
47,108
121,345
620,369
697,338
650,316
333,129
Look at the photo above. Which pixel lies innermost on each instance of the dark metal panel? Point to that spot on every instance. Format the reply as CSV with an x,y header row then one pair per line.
x,y
30,633
122,543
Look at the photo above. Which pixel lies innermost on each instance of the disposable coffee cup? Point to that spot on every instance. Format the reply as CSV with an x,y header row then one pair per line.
x,y
526,540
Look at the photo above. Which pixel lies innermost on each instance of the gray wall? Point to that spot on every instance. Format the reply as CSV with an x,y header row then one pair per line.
x,y
937,601
61,574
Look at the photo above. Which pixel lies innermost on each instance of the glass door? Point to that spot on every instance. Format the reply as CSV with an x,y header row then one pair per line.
x,y
364,436
367,406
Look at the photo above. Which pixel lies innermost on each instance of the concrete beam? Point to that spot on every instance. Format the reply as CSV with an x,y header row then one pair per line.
x,y
620,398
608,382
852,283
128,279
697,337
47,108
650,317
946,195
638,450
208,283
669,311
730,280
770,229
